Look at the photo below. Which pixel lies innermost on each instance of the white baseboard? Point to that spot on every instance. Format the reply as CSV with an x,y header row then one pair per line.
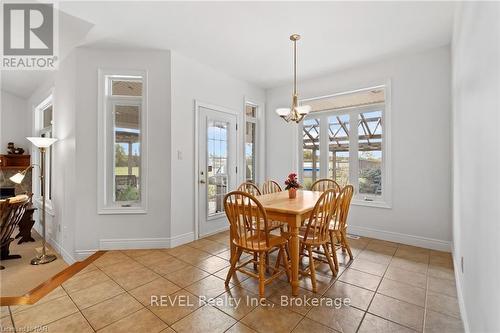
x,y
460,295
84,254
67,257
134,243
181,239
215,232
428,243
145,243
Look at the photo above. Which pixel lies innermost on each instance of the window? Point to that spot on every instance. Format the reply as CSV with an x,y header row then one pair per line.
x,y
338,148
43,119
310,151
217,167
352,128
122,143
370,153
250,142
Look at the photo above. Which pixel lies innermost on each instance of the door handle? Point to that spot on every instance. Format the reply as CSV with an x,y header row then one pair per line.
x,y
202,181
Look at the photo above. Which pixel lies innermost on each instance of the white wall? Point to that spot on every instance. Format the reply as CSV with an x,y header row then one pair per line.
x,y
122,231
15,125
61,214
421,205
193,81
476,163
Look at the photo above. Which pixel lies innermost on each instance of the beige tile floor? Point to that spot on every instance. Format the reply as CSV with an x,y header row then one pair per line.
x,y
391,288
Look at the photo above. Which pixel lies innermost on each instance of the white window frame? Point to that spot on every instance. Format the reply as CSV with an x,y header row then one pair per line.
x,y
106,150
255,121
39,130
382,201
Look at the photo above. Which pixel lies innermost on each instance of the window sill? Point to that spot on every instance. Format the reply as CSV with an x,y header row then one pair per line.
x,y
121,210
376,204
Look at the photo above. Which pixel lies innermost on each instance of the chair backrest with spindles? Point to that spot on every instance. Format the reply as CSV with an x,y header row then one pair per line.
x,y
248,220
11,212
324,184
270,186
343,203
250,188
319,221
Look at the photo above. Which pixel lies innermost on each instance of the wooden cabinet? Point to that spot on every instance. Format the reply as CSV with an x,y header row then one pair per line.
x,y
12,161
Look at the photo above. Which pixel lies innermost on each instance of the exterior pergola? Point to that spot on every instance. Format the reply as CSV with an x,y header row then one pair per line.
x,y
369,136
128,138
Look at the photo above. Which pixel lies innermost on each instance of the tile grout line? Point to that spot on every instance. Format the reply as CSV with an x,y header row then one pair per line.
x,y
79,310
12,319
375,292
394,297
426,296
131,295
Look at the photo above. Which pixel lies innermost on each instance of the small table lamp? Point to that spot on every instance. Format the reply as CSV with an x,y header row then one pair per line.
x,y
42,144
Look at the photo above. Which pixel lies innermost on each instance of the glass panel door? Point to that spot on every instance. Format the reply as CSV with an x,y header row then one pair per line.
x,y
217,160
217,165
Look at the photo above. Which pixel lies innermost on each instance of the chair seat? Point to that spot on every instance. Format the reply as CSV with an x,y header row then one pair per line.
x,y
258,242
302,234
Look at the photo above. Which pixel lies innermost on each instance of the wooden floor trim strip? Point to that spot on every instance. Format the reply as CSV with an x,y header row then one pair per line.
x,y
43,289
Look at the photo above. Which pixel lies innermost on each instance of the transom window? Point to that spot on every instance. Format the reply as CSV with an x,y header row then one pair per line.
x,y
344,138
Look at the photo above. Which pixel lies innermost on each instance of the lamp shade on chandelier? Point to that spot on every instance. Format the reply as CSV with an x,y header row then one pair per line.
x,y
296,112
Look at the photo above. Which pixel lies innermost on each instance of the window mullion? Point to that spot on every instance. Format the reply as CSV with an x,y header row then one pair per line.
x,y
323,146
353,150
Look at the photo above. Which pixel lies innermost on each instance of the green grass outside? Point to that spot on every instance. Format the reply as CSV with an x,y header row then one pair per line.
x,y
123,171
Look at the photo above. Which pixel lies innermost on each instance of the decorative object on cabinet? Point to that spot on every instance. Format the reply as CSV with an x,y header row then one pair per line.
x,y
12,150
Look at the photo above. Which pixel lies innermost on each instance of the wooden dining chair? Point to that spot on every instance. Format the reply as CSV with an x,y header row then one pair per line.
x,y
324,184
250,188
11,212
316,234
253,189
270,186
241,207
338,225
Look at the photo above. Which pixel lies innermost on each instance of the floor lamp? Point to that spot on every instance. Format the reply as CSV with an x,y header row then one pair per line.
x,y
42,144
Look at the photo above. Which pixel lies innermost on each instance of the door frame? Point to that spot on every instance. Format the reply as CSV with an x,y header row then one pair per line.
x,y
239,160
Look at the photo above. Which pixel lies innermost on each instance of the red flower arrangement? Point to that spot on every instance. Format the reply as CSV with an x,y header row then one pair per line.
x,y
292,182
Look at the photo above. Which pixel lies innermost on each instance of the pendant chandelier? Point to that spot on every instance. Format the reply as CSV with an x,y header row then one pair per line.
x,y
296,112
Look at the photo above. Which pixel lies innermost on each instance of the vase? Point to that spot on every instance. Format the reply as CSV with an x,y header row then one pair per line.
x,y
292,193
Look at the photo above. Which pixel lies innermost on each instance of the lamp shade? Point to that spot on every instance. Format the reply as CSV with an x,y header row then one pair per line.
x,y
17,178
283,112
42,142
304,109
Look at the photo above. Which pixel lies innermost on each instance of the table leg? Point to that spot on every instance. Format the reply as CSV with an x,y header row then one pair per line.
x,y
294,254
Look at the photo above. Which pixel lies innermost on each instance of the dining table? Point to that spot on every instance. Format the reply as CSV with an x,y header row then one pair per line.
x,y
279,207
